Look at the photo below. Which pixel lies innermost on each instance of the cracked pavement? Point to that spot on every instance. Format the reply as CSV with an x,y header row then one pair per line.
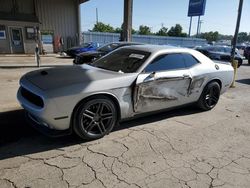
x,y
181,148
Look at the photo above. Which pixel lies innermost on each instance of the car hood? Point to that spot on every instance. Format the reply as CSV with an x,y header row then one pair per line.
x,y
54,78
76,48
90,53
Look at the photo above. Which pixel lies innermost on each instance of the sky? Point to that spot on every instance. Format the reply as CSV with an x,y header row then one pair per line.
x,y
220,15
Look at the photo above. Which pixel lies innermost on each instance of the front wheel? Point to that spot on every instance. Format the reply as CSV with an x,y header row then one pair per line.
x,y
95,118
210,96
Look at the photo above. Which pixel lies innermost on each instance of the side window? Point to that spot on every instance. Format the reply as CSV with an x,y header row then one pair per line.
x,y
166,62
189,60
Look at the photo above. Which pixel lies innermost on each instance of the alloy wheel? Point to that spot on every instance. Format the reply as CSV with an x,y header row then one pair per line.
x,y
97,118
212,96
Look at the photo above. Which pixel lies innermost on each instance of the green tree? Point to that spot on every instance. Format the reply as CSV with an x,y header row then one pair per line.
x,y
176,31
242,37
210,36
162,32
225,37
144,30
133,31
184,35
248,37
118,30
101,27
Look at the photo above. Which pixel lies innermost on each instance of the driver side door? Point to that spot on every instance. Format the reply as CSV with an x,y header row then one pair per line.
x,y
163,84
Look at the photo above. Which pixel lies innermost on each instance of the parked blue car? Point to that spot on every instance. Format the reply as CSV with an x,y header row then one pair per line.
x,y
85,47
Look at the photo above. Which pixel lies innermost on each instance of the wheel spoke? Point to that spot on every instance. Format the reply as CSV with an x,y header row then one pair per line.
x,y
214,99
99,127
106,116
90,113
211,92
102,126
210,101
100,108
90,126
88,116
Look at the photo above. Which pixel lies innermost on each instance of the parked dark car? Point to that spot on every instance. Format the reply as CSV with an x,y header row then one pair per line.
x,y
220,53
89,57
85,47
247,52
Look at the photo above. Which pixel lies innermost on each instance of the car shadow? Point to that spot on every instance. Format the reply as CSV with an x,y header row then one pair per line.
x,y
244,81
17,138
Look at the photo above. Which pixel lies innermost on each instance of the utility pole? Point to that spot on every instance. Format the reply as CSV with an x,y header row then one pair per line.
x,y
127,21
201,22
234,42
190,25
198,25
96,12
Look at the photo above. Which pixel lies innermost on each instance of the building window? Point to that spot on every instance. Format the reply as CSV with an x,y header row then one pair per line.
x,y
2,32
30,33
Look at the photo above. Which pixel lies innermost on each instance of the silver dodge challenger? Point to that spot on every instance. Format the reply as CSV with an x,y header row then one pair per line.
x,y
136,80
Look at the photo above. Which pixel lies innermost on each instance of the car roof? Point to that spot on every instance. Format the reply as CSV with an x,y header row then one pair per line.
x,y
123,42
156,48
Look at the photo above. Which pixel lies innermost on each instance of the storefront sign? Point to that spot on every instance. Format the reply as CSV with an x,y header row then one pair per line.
x,y
196,7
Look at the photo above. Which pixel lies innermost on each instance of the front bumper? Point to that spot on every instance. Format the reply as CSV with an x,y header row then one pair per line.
x,y
44,127
50,114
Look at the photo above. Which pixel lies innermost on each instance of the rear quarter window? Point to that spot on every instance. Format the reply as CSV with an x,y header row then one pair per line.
x,y
189,60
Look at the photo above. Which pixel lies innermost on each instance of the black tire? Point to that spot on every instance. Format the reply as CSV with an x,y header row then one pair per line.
x,y
210,96
95,118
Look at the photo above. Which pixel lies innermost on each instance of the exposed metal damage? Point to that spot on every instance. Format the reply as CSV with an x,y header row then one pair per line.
x,y
195,85
154,94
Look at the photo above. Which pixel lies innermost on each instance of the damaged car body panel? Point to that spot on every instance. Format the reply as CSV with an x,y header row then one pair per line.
x,y
161,90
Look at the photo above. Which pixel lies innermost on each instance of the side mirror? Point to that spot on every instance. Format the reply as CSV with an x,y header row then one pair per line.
x,y
152,74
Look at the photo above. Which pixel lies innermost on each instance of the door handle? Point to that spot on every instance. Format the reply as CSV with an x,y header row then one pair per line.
x,y
186,76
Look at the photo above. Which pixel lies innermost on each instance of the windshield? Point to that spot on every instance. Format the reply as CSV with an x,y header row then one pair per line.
x,y
108,47
123,60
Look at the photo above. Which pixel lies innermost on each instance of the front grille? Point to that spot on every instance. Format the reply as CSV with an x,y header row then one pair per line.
x,y
31,97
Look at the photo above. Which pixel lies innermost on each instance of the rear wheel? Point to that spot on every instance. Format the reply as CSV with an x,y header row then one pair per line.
x,y
95,118
210,96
